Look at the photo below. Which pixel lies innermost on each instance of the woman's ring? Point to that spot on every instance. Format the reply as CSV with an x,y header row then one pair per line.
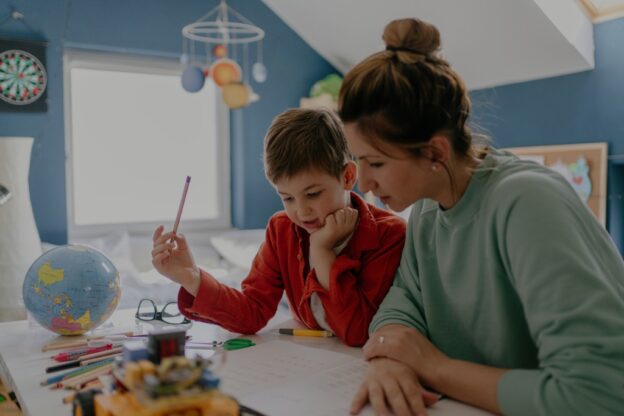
x,y
381,339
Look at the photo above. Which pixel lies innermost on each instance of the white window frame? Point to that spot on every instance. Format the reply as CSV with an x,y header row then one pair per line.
x,y
74,58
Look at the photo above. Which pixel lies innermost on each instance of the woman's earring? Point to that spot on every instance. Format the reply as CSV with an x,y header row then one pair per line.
x,y
434,167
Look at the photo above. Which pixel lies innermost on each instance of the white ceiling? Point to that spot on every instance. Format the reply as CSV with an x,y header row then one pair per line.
x,y
603,4
489,42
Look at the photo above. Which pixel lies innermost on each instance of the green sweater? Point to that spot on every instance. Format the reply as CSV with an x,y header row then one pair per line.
x,y
519,275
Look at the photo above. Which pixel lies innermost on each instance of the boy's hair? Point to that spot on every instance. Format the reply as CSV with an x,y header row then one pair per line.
x,y
305,139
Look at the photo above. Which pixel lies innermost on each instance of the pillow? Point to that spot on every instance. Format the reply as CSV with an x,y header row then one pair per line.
x,y
116,246
239,247
204,254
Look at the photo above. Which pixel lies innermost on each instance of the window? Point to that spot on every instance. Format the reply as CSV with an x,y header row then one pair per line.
x,y
133,135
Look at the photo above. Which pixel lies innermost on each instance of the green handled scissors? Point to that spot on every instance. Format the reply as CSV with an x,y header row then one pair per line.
x,y
234,344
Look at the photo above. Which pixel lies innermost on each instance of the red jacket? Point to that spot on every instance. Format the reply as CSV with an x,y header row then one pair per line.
x,y
359,279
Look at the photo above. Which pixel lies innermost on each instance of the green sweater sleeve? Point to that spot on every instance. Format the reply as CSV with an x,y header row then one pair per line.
x,y
403,303
569,278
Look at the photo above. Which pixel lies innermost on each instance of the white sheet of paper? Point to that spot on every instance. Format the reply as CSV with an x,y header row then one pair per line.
x,y
283,378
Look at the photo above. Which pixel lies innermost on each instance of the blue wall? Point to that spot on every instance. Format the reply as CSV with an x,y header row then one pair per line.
x,y
152,27
578,108
583,107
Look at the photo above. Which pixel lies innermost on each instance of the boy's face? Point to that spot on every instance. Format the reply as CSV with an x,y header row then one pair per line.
x,y
311,195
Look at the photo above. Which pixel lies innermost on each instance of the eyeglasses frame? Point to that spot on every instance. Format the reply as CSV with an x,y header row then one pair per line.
x,y
158,315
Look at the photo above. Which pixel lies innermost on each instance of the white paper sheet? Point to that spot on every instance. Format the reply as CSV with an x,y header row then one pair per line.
x,y
282,378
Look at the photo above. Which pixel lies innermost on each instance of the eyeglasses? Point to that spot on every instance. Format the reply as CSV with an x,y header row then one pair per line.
x,y
170,314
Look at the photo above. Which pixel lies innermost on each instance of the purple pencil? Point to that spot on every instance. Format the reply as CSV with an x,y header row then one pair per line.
x,y
177,220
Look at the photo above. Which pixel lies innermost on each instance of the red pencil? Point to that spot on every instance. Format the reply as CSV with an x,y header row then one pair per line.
x,y
73,355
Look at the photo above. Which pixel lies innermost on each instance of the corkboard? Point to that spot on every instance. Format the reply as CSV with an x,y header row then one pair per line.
x,y
596,156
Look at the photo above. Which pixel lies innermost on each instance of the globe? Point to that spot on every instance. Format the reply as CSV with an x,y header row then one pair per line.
x,y
71,289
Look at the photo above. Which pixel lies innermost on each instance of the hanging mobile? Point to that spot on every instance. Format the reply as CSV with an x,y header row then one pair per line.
x,y
223,28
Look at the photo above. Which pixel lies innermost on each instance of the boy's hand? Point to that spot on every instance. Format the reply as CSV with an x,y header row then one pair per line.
x,y
338,226
174,259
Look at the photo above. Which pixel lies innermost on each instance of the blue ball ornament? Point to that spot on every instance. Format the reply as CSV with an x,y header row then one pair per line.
x,y
192,79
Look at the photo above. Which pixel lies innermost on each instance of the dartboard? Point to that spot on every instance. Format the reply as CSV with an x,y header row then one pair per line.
x,y
22,77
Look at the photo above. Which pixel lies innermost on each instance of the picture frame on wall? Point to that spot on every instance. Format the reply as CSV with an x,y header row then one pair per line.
x,y
584,165
23,76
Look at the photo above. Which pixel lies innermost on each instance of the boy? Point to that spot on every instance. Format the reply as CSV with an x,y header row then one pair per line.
x,y
333,254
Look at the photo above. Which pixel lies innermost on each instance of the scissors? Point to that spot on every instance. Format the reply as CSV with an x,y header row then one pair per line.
x,y
229,345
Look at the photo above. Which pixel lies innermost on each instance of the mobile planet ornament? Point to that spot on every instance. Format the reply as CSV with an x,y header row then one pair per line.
x,y
259,72
225,71
192,79
220,51
238,95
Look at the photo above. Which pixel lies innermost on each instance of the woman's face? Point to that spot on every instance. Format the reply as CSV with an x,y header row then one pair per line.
x,y
398,179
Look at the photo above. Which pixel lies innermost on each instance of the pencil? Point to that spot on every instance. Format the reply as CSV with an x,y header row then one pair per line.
x,y
88,376
118,334
58,378
88,357
64,366
98,359
306,332
82,352
55,345
76,363
177,220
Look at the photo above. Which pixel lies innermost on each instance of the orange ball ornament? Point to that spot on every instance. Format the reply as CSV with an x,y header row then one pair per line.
x,y
219,51
225,71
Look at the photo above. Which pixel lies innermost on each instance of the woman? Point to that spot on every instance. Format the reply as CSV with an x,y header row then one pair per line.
x,y
509,295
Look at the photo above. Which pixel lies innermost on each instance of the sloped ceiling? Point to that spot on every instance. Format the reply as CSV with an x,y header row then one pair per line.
x,y
489,42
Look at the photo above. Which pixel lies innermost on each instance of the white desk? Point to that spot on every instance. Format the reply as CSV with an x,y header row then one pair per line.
x,y
22,364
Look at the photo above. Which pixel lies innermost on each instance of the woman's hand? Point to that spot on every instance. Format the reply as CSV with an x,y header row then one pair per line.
x,y
392,384
175,260
410,347
468,382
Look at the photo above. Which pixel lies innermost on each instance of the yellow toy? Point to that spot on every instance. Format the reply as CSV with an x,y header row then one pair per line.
x,y
177,386
159,381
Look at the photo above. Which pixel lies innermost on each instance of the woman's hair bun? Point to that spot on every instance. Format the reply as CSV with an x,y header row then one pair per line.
x,y
412,35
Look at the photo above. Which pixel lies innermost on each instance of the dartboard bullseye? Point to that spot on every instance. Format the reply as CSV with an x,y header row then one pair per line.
x,y
22,77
